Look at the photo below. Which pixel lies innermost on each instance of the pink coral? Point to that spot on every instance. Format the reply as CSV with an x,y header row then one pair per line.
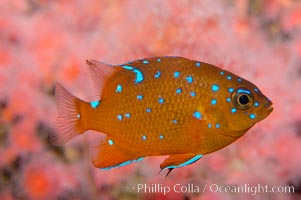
x,y
43,42
38,181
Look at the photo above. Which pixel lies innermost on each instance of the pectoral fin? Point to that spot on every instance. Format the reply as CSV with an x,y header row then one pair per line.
x,y
179,160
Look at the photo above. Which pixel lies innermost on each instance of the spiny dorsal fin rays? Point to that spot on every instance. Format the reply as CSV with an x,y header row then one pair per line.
x,y
100,73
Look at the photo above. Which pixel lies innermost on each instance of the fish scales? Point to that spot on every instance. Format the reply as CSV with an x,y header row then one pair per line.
x,y
161,106
153,122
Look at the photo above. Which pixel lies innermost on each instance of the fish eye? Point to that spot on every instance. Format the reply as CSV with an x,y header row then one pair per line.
x,y
243,98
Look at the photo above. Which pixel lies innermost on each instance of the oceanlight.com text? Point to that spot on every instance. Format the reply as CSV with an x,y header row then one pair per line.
x,y
251,189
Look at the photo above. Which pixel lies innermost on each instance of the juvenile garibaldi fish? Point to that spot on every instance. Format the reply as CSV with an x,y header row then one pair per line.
x,y
160,106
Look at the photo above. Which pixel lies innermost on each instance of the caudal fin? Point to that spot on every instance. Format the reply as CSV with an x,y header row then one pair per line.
x,y
68,122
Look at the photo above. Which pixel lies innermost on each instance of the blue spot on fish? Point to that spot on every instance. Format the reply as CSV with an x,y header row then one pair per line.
x,y
192,94
239,80
197,115
229,77
176,74
161,137
139,97
145,62
78,116
158,60
158,74
213,101
148,110
174,121
127,115
244,91
127,67
256,104
252,116
222,73
111,142
189,79
179,90
119,117
139,74
209,125
188,162
144,137
230,90
198,64
233,110
215,88
122,164
256,90
228,99
119,88
94,104
161,100
217,125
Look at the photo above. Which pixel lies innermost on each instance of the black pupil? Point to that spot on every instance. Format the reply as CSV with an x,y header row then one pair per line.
x,y
244,99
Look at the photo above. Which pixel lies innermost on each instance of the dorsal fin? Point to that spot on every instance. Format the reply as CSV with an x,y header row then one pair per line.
x,y
100,72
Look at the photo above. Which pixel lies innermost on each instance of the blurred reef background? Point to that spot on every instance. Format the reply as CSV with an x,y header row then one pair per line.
x,y
47,41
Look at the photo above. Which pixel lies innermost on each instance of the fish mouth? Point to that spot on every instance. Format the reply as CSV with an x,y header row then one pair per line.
x,y
268,106
267,109
232,136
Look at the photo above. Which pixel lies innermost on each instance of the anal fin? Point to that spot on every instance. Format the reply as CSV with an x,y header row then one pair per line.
x,y
179,160
108,156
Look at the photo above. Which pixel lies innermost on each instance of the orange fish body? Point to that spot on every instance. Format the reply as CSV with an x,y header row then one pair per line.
x,y
161,106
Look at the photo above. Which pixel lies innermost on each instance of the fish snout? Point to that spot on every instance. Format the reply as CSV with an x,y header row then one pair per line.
x,y
267,109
